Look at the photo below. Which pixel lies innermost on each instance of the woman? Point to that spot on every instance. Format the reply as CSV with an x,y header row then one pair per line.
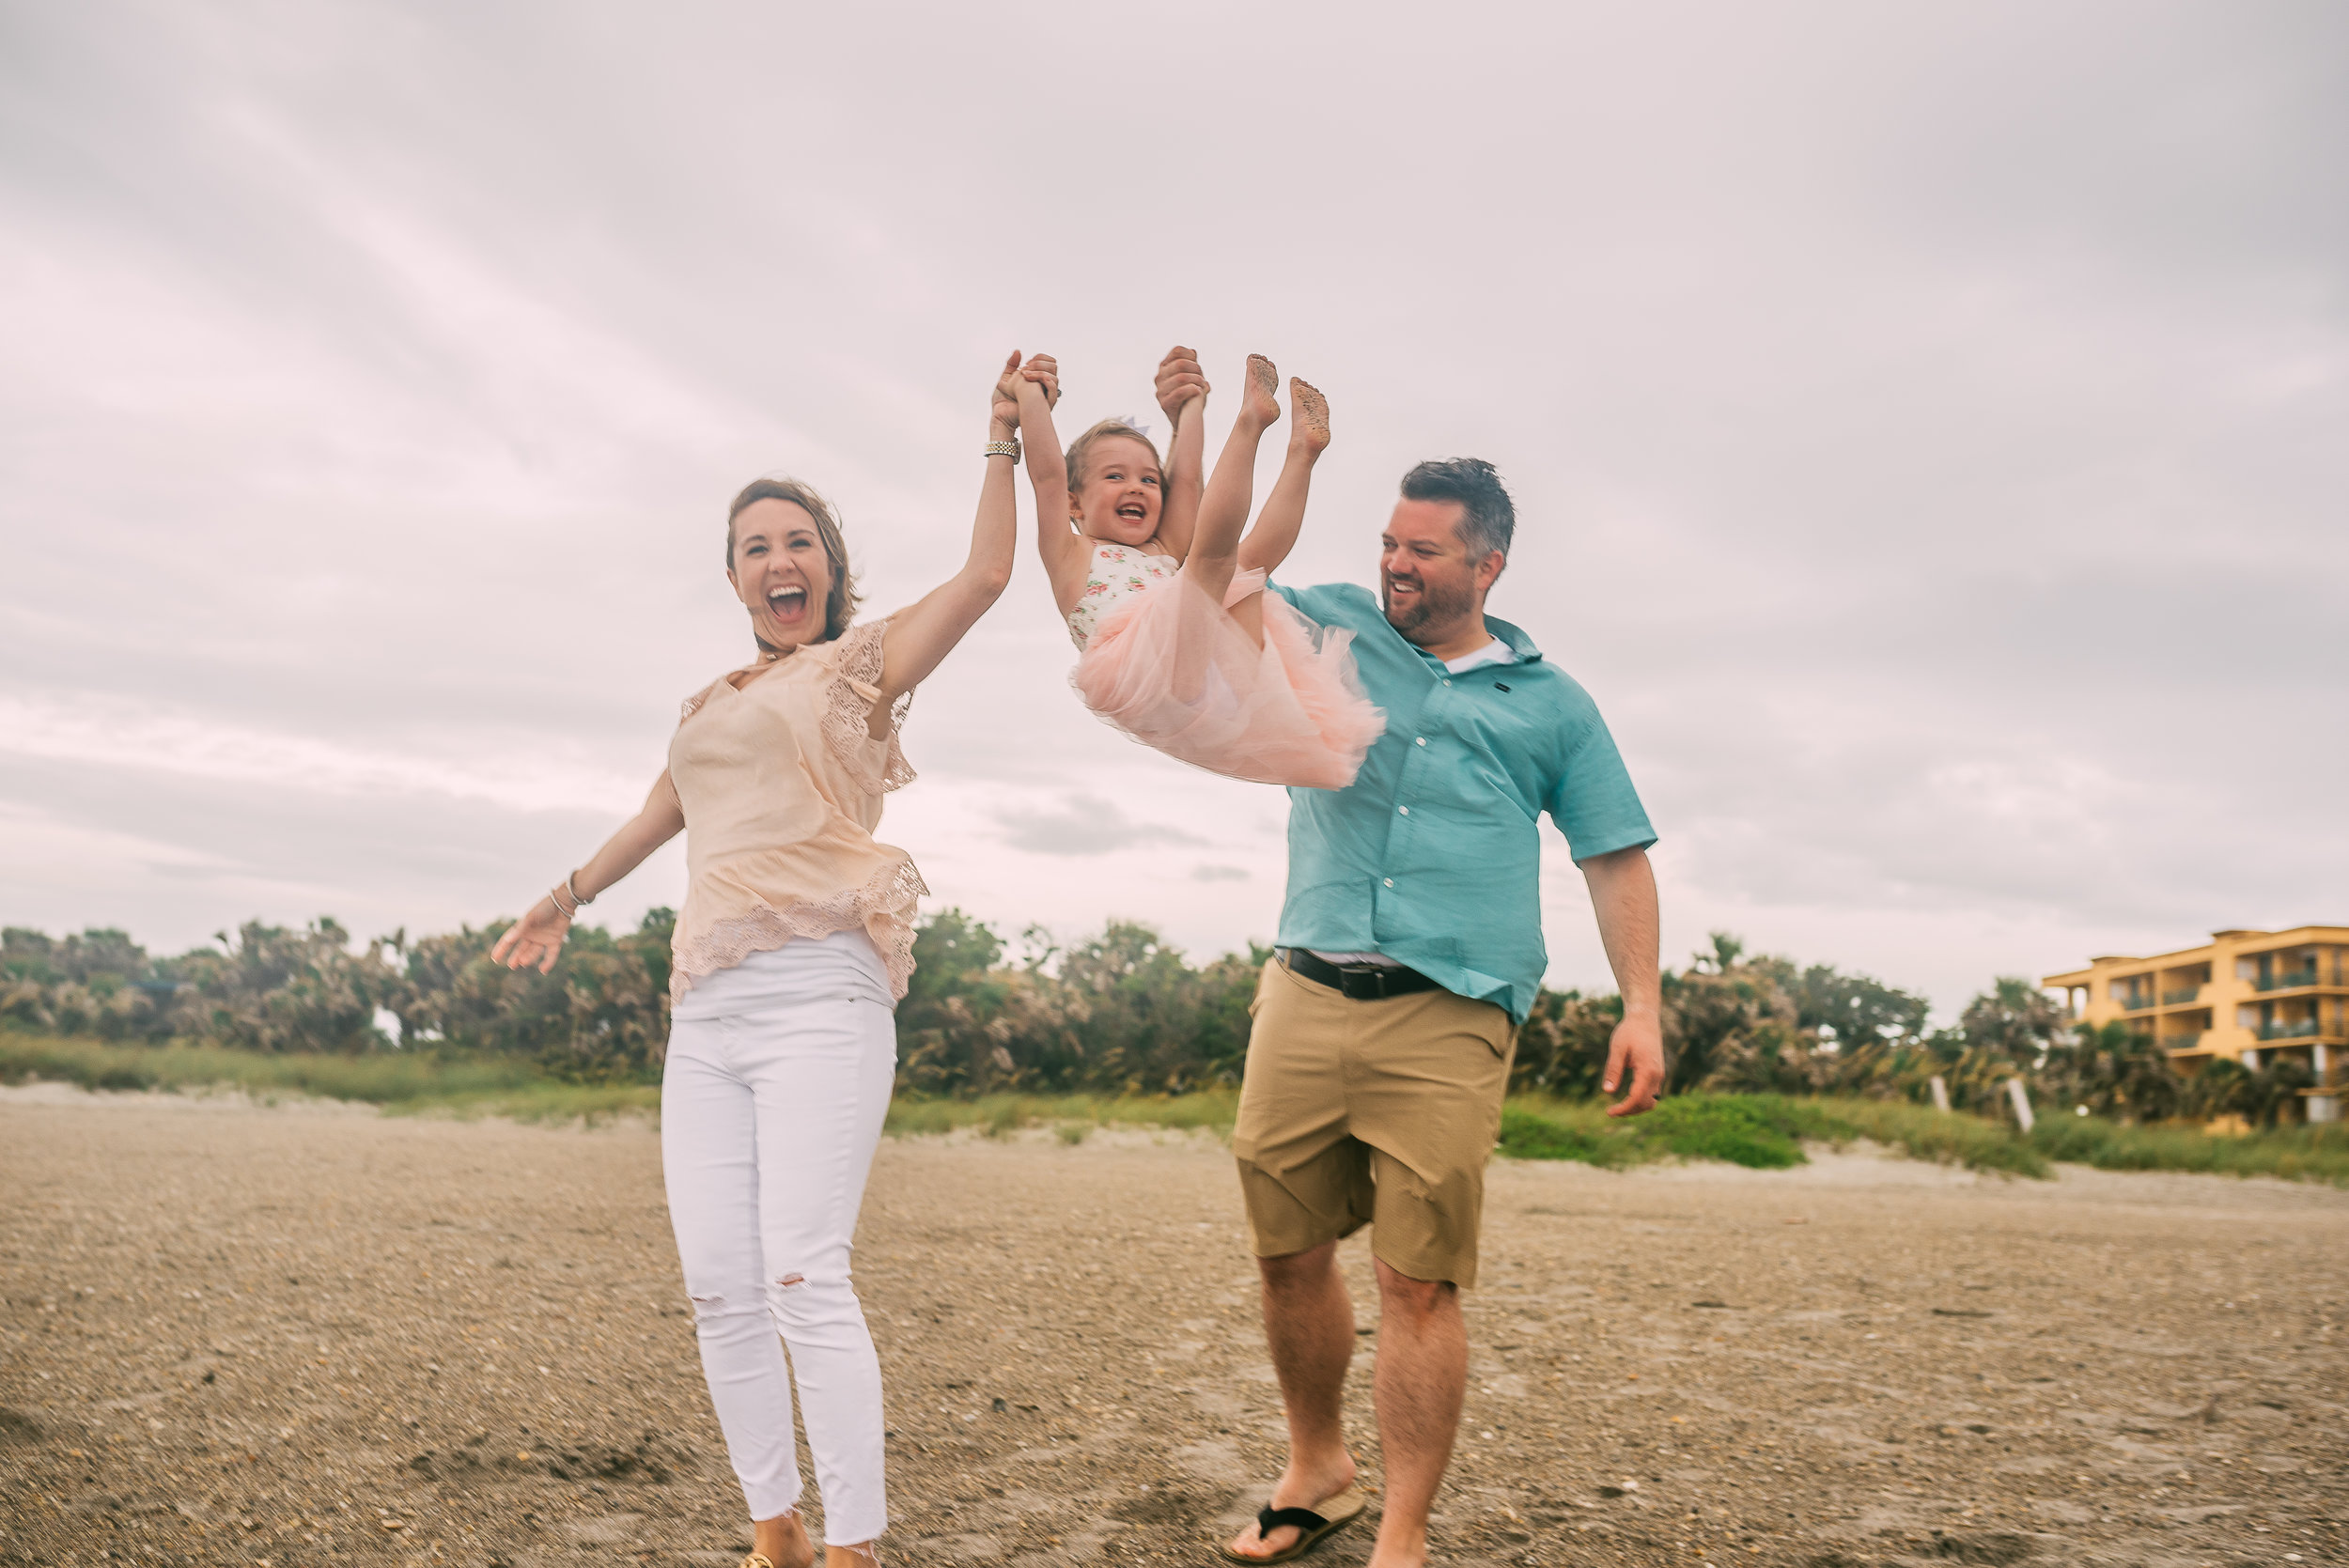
x,y
795,942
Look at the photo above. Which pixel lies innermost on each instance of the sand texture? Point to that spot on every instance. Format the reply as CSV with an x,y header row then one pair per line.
x,y
237,1334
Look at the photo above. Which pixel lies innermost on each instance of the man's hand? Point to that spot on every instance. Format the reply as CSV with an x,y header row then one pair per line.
x,y
1639,1044
1179,379
1623,896
1044,370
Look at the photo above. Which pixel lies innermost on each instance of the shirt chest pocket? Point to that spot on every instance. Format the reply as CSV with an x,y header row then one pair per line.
x,y
1495,746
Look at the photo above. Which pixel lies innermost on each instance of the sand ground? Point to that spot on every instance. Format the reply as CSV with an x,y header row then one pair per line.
x,y
306,1334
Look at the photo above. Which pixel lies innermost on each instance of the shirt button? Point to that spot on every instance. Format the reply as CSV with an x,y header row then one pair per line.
x,y
1390,881
1447,683
1421,742
1404,810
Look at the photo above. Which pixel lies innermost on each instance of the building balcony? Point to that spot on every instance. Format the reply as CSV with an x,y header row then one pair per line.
x,y
2134,1004
2178,999
2288,982
2182,1042
2298,1029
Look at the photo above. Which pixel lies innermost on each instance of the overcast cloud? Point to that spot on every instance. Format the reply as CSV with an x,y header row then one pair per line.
x,y
1927,424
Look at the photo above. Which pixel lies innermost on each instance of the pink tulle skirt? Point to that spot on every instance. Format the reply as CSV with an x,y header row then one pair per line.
x,y
1174,670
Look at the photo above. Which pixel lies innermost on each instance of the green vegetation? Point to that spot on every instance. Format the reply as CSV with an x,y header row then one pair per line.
x,y
1121,1028
1762,1132
2294,1153
488,1086
1119,1014
1071,1116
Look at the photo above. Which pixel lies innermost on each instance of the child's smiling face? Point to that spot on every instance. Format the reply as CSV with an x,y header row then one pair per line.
x,y
1119,499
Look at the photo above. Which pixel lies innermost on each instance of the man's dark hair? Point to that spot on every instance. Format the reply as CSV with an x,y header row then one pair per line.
x,y
1488,519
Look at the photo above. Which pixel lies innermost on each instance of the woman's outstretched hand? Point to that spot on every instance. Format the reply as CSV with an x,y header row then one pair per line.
x,y
535,939
1040,368
1003,404
1179,379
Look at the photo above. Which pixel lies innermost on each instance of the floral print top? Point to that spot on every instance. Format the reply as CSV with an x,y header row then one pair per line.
x,y
1117,573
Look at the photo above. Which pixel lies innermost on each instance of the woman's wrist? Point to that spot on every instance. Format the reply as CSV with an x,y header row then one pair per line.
x,y
567,897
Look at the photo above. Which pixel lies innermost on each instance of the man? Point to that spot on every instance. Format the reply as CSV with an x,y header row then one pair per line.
x,y
1409,950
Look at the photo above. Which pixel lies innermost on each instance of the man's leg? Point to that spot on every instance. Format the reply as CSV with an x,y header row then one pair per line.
x,y
1421,1381
1309,1325
1430,1115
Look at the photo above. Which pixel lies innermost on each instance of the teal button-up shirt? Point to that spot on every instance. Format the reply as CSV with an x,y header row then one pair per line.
x,y
1433,855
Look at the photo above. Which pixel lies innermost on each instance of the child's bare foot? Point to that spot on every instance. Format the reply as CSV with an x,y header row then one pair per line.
x,y
1262,403
1312,429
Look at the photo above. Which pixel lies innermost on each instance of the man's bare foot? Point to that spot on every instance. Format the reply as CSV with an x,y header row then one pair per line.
x,y
1297,1488
1262,403
1312,429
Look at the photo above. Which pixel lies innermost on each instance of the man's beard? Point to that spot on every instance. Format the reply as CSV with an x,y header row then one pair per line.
x,y
1437,603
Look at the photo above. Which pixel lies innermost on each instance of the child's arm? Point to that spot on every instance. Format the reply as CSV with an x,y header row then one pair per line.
x,y
922,634
1064,549
1182,392
1269,542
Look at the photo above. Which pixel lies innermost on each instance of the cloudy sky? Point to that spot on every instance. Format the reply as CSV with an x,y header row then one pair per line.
x,y
1927,424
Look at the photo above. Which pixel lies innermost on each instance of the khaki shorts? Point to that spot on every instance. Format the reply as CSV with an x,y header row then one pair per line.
x,y
1371,1113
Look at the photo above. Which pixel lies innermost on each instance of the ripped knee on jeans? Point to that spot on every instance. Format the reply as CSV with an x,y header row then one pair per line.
x,y
710,1306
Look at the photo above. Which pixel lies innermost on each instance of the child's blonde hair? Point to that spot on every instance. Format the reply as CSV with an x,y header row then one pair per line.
x,y
1079,448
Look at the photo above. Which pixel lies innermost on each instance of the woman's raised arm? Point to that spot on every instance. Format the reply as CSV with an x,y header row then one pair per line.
x,y
921,636
537,937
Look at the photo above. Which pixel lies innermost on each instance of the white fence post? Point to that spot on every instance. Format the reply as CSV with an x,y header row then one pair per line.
x,y
2021,1101
1941,1093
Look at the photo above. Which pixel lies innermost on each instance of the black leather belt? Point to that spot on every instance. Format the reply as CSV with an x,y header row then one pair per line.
x,y
1357,982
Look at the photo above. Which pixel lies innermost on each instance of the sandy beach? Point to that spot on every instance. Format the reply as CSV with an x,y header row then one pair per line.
x,y
309,1333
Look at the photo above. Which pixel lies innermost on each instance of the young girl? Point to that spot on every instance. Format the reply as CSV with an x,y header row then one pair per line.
x,y
1181,648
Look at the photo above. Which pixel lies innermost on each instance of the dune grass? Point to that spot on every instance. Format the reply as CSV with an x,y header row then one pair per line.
x,y
2318,1153
1760,1131
403,1085
1071,1116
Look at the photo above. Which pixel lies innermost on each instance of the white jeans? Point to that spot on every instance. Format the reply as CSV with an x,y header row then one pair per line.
x,y
778,1078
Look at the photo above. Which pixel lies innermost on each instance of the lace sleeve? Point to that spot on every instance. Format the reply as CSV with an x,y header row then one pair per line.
x,y
692,704
878,766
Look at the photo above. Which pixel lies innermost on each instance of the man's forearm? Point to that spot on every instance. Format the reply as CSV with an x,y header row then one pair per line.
x,y
1623,896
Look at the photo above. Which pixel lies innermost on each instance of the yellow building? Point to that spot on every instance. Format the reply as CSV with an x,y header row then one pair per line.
x,y
2248,995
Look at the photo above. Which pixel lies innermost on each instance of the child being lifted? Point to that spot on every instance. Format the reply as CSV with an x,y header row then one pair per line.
x,y
1180,646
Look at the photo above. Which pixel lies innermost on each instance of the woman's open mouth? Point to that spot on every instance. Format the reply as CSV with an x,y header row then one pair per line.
x,y
787,604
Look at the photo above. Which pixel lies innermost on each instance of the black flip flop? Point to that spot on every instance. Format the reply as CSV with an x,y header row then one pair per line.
x,y
1313,1527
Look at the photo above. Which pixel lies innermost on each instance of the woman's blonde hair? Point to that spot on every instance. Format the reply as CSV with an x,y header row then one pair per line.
x,y
1082,446
841,602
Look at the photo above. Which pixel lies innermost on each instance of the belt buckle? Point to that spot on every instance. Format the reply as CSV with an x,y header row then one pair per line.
x,y
1363,982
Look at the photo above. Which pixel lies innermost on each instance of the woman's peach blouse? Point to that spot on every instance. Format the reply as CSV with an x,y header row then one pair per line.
x,y
782,784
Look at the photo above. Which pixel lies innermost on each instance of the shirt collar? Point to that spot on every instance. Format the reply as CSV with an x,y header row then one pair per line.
x,y
1519,644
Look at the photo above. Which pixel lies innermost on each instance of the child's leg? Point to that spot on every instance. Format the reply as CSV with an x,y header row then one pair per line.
x,y
1275,535
1224,509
